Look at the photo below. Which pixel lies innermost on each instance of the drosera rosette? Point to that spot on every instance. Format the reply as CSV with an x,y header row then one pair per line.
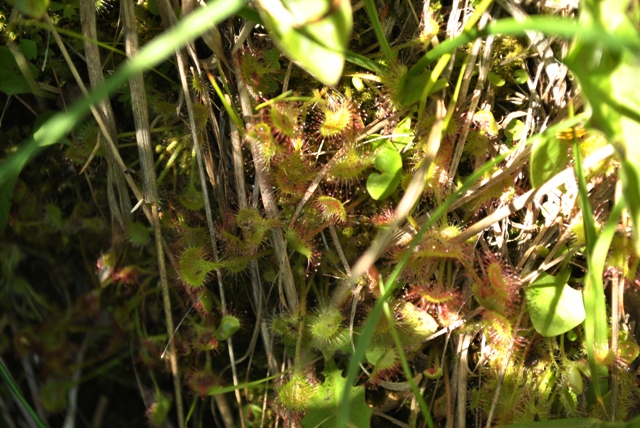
x,y
434,299
428,257
191,198
294,394
301,241
286,120
326,330
286,327
386,364
203,337
138,234
499,287
331,209
194,268
499,333
392,80
85,144
262,132
257,71
202,382
254,227
292,174
336,120
350,166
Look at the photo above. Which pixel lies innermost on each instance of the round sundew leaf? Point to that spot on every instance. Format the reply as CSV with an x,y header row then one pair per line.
x,y
228,326
554,307
194,268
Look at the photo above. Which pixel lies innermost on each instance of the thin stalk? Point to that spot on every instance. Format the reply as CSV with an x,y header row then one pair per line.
x,y
403,360
150,188
372,13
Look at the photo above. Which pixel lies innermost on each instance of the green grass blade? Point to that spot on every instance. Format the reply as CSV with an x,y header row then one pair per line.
x,y
372,13
596,330
551,26
14,388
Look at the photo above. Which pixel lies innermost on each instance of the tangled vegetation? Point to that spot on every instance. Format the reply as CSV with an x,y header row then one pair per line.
x,y
319,213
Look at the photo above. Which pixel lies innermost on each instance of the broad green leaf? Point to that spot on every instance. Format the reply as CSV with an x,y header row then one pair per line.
x,y
68,11
33,8
548,157
152,6
520,76
609,81
515,131
496,79
389,163
554,307
29,49
319,44
322,409
11,79
403,134
411,87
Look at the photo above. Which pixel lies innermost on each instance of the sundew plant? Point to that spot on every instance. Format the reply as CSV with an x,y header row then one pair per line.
x,y
320,213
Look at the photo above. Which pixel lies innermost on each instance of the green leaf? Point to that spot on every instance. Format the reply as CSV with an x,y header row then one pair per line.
x,y
520,76
609,81
554,307
33,8
319,44
411,87
68,11
298,244
486,122
496,79
548,157
403,134
515,130
322,409
229,324
29,48
152,6
389,163
11,79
